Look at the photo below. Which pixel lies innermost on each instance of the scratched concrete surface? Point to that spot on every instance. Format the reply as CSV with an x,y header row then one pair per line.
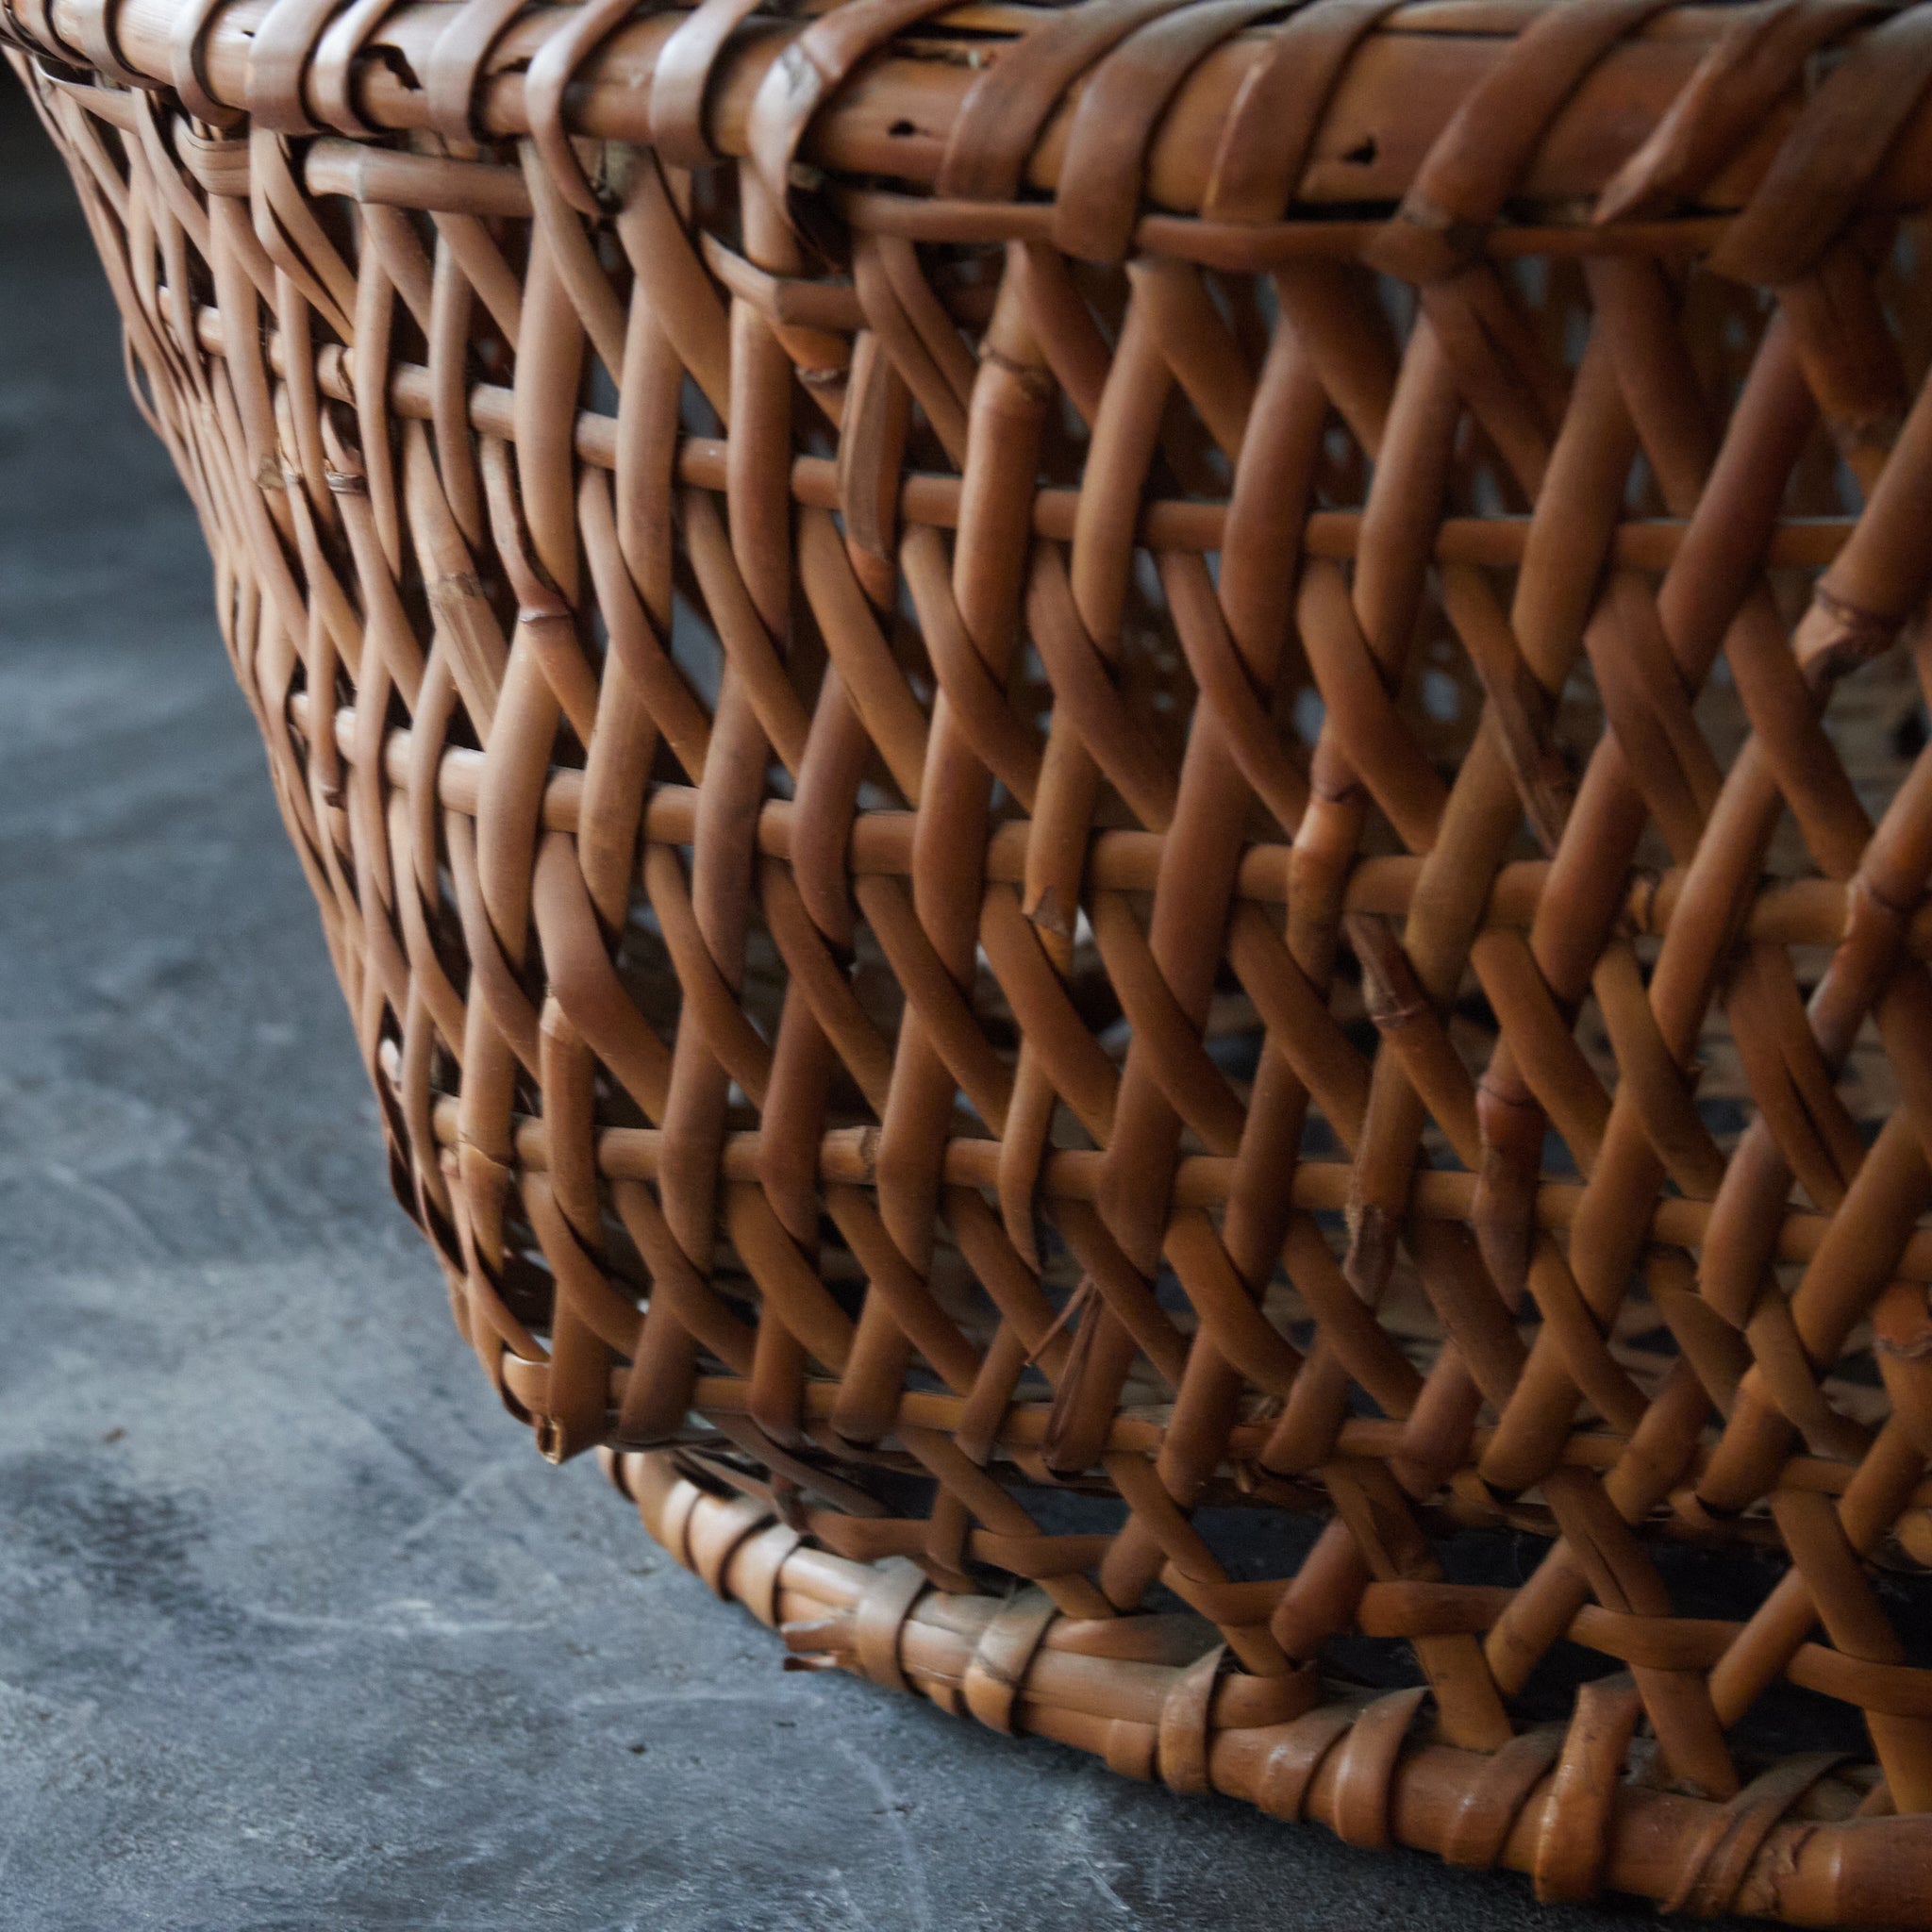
x,y
295,1629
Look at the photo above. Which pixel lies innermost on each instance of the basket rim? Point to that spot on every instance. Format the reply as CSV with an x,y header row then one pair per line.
x,y
881,87
1174,1708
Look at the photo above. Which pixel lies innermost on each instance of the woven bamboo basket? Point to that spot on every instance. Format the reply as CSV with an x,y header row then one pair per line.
x,y
1127,810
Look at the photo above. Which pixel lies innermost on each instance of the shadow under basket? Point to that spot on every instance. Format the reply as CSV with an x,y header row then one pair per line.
x,y
1126,807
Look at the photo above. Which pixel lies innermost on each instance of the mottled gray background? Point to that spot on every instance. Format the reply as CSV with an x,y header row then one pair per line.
x,y
295,1629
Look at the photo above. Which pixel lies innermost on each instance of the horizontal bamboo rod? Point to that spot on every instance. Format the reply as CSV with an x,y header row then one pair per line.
x,y
1797,913
848,1156
1184,524
1024,1426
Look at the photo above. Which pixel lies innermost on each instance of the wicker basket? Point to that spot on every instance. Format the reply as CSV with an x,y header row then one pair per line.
x,y
1126,806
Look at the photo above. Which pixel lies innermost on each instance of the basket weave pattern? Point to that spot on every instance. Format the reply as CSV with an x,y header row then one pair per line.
x,y
1081,769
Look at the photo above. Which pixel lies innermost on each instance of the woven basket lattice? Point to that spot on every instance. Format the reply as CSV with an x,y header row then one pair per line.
x,y
1127,810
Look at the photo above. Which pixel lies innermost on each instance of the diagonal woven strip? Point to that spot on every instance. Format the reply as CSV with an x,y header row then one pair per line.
x,y
1127,809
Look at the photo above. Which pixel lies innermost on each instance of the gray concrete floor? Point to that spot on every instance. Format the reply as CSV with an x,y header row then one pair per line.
x,y
295,1629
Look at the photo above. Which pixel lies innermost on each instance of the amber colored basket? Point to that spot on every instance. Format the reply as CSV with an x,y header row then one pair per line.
x,y
1126,808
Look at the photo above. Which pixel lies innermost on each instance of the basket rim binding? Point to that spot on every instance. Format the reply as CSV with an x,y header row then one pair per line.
x,y
1549,1805
899,105
877,114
